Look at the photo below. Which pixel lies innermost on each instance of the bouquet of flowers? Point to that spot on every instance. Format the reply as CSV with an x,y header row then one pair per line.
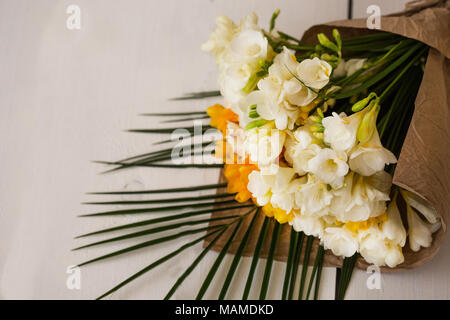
x,y
310,136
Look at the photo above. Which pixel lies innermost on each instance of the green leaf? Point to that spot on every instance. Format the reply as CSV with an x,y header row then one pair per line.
x,y
269,261
306,256
193,266
380,75
346,273
185,119
157,209
319,273
157,263
171,130
297,255
217,263
151,243
163,165
256,254
316,269
289,263
157,230
170,200
164,219
174,114
237,256
198,95
170,190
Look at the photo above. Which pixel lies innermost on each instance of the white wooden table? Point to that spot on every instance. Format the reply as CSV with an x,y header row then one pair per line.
x,y
65,98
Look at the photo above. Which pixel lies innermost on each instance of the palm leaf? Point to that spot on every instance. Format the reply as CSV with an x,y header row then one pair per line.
x,y
164,219
170,190
198,95
217,263
296,262
306,256
345,276
289,263
237,257
170,200
151,243
156,230
157,263
157,209
269,262
174,114
256,254
193,265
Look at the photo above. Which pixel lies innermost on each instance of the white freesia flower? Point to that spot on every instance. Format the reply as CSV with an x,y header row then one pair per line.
x,y
353,65
259,186
419,231
249,46
311,226
220,38
276,188
280,93
270,104
349,67
313,197
264,145
315,73
340,130
300,147
301,160
376,249
237,50
358,199
393,228
341,241
329,166
371,157
231,81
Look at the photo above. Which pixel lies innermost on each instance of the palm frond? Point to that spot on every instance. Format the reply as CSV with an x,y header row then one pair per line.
x,y
170,190
193,265
171,130
170,200
237,257
157,230
174,114
151,243
317,268
157,263
306,256
345,276
161,165
164,219
269,261
289,263
256,254
296,262
157,209
198,95
185,119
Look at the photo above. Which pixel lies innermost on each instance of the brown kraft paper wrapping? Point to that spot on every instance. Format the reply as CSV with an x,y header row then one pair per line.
x,y
423,164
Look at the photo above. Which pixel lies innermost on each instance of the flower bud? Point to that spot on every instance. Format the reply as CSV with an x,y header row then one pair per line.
x,y
368,123
361,104
337,37
256,124
324,41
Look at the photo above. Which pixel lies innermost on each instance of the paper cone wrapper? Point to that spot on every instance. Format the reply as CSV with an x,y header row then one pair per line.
x,y
424,163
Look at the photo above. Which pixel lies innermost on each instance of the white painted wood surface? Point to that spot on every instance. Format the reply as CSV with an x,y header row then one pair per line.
x,y
65,98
